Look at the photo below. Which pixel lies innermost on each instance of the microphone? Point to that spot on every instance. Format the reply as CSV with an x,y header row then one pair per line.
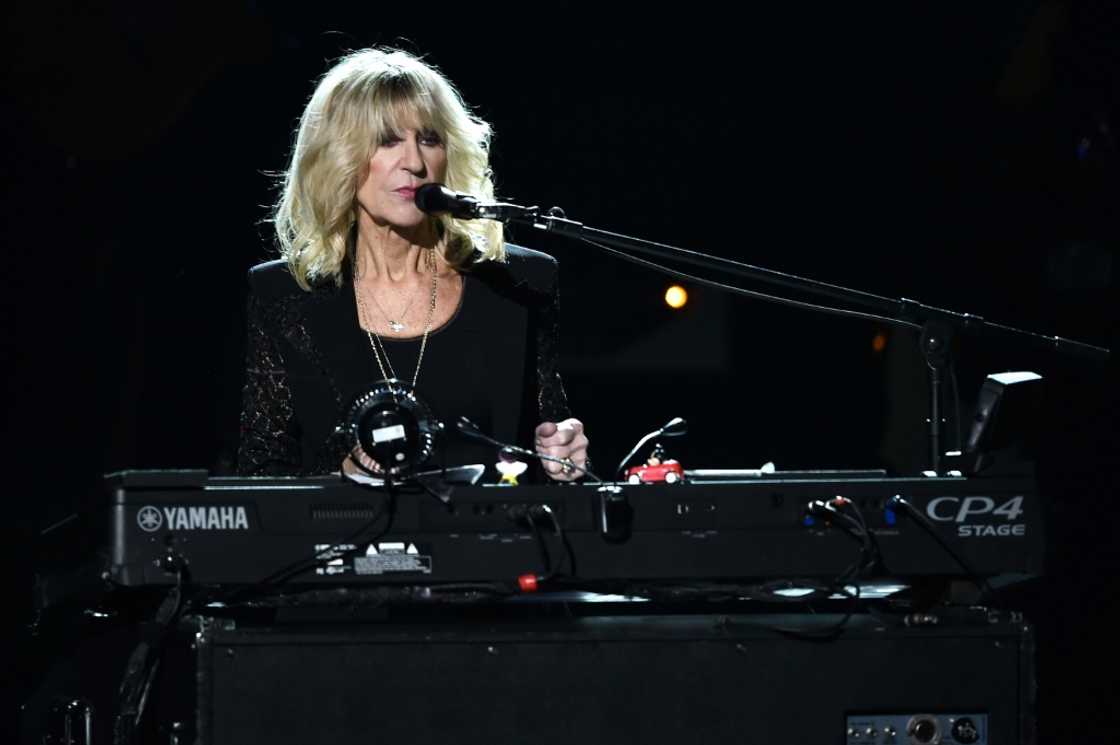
x,y
675,427
469,429
437,199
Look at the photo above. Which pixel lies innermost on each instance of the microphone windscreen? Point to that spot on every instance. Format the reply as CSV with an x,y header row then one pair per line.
x,y
432,199
675,427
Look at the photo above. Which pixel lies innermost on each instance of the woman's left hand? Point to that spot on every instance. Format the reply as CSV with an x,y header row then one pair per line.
x,y
562,440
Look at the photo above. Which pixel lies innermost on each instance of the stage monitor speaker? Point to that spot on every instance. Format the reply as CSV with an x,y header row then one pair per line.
x,y
623,679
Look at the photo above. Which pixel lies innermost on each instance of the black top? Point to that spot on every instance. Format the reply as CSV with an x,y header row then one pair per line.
x,y
307,357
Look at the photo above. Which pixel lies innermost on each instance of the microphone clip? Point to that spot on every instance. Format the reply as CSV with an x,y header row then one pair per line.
x,y
504,212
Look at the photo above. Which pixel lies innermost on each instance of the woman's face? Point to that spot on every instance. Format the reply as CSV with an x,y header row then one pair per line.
x,y
403,162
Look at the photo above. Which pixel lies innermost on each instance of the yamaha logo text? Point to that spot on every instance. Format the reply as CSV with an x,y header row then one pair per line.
x,y
979,516
151,519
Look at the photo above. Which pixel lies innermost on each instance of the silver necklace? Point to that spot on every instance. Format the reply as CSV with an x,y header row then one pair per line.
x,y
395,326
378,345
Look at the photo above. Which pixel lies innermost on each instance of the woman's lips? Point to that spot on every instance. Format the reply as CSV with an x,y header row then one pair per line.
x,y
407,192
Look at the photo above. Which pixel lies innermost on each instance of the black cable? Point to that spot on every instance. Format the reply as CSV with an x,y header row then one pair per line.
x,y
956,403
153,670
857,528
542,546
986,589
828,634
875,554
558,531
767,592
388,508
144,662
529,516
869,557
289,572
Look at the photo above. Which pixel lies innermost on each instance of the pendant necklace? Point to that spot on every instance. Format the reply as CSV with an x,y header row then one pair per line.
x,y
375,341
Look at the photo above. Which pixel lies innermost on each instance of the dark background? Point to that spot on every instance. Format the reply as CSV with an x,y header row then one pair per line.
x,y
958,153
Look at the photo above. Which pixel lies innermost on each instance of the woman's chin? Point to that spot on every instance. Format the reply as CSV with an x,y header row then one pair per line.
x,y
408,222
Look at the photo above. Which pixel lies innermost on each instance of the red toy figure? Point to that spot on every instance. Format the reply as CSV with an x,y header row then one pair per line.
x,y
656,469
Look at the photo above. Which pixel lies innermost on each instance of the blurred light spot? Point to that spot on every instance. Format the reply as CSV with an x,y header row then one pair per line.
x,y
879,342
676,297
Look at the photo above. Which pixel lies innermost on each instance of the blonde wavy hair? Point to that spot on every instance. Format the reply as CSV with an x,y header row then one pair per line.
x,y
370,94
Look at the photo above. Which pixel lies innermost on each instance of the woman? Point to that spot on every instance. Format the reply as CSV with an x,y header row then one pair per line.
x,y
369,287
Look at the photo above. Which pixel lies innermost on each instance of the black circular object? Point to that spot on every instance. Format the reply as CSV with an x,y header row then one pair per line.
x,y
964,730
924,729
393,426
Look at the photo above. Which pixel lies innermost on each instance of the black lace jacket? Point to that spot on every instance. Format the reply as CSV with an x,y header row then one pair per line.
x,y
306,358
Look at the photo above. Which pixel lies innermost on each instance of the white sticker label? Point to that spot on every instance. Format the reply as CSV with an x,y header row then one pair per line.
x,y
391,557
386,434
392,563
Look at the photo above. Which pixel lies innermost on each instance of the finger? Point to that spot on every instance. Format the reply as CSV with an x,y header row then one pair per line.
x,y
566,432
545,429
559,440
555,451
566,436
570,467
575,451
568,429
578,457
571,424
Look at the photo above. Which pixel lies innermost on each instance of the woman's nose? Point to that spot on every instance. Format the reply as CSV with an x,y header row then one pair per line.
x,y
413,158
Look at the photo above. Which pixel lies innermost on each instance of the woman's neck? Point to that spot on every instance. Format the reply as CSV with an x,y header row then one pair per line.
x,y
386,253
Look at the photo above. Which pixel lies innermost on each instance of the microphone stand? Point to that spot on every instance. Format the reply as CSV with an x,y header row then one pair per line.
x,y
938,326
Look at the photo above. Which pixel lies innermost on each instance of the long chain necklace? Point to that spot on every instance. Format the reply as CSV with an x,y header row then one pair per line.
x,y
395,326
378,345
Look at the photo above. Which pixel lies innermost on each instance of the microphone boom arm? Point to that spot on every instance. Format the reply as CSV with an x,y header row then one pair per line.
x,y
936,324
900,311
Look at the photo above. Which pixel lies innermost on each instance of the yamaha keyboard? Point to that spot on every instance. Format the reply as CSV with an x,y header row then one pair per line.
x,y
238,531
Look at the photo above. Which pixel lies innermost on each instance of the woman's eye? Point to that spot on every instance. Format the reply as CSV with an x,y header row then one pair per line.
x,y
388,140
431,139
